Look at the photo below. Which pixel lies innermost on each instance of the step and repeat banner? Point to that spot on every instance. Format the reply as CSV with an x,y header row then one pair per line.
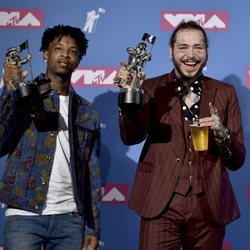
x,y
111,27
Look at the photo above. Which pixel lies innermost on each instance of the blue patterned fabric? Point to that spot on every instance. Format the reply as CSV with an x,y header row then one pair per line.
x,y
28,136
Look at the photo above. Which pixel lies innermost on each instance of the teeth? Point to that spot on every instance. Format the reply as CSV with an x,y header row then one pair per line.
x,y
63,62
190,63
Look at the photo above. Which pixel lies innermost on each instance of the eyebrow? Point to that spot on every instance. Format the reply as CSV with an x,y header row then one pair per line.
x,y
72,47
186,44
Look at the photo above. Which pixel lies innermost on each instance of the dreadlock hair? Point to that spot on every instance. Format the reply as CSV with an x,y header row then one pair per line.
x,y
190,25
50,34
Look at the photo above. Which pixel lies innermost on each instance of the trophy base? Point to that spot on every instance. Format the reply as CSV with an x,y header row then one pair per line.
x,y
131,96
27,94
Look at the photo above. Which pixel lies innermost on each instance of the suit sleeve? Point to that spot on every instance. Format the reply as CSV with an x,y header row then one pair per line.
x,y
134,121
234,153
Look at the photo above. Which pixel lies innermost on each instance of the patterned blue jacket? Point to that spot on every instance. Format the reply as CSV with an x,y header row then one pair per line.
x,y
28,136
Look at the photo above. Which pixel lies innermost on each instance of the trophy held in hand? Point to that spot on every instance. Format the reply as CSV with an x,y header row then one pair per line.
x,y
25,92
137,59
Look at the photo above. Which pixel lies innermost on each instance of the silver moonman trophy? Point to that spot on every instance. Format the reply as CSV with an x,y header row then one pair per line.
x,y
25,92
137,59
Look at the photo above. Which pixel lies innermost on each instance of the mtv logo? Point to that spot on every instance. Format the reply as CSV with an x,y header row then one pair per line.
x,y
94,77
208,20
115,193
30,19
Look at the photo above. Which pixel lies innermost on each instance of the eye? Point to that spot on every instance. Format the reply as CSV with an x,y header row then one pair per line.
x,y
199,49
182,49
58,48
74,52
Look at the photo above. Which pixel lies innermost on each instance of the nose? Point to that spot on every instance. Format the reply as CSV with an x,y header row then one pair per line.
x,y
65,53
190,52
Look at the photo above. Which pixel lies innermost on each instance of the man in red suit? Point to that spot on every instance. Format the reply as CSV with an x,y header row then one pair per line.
x,y
184,197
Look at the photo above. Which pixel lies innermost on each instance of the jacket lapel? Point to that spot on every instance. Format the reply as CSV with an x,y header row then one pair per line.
x,y
171,114
207,95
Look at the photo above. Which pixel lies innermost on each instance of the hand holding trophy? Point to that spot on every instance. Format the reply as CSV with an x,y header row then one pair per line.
x,y
25,92
137,59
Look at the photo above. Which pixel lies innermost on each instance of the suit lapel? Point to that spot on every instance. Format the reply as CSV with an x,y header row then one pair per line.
x,y
171,114
207,96
169,103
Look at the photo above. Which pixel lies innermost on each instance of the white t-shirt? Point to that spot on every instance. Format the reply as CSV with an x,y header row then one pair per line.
x,y
60,193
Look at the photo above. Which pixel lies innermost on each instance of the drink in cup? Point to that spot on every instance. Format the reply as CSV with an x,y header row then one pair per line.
x,y
199,137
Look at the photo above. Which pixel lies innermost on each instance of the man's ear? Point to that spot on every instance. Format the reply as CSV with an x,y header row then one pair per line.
x,y
45,55
170,52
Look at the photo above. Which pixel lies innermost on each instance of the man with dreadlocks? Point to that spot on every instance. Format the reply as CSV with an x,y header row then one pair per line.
x,y
51,182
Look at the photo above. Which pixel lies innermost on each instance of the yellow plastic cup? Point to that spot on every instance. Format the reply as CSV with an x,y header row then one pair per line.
x,y
199,137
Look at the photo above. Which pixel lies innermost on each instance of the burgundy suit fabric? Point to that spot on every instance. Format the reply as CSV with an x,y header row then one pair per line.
x,y
185,224
168,148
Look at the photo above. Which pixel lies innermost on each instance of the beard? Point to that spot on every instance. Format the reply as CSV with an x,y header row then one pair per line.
x,y
64,76
184,75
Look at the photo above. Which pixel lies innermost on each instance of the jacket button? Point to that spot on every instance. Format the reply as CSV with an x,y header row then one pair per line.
x,y
178,160
190,163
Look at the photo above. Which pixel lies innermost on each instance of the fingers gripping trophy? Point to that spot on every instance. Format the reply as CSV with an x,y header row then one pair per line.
x,y
137,59
25,92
